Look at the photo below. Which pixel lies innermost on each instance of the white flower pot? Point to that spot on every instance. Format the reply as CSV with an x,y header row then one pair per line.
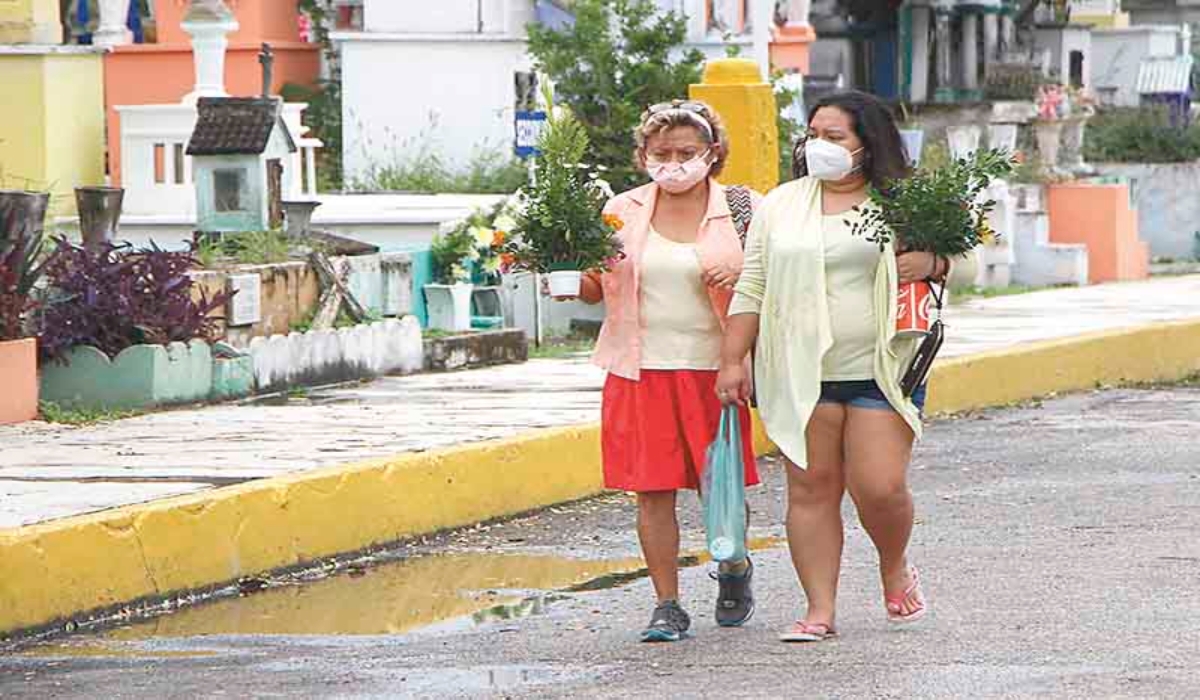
x,y
1002,137
449,306
914,142
1049,138
964,141
112,30
565,283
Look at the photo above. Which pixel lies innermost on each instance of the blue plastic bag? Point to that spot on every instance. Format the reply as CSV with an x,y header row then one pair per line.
x,y
723,491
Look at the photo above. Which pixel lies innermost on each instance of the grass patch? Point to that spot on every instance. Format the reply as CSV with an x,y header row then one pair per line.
x,y
968,293
51,412
559,348
424,171
248,248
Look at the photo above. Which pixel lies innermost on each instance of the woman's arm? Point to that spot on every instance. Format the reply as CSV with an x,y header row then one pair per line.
x,y
734,383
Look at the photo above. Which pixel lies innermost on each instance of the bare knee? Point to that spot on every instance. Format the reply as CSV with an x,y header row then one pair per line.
x,y
656,504
885,497
814,487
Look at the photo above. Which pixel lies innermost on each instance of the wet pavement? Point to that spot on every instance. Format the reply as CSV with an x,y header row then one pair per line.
x,y
1058,543
52,471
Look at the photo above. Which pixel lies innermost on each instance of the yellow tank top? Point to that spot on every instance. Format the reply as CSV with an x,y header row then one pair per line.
x,y
679,328
850,265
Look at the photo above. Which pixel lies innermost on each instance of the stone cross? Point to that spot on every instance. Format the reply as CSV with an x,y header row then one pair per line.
x,y
267,59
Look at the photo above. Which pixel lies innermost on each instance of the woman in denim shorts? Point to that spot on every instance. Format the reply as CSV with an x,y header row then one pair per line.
x,y
818,303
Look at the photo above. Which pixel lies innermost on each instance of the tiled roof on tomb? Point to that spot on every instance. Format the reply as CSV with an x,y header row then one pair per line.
x,y
234,126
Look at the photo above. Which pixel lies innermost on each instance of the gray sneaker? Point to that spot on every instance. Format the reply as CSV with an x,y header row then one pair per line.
x,y
669,623
735,599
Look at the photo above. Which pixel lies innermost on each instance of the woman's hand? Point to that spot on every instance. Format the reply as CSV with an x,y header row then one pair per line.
x,y
916,266
722,276
733,384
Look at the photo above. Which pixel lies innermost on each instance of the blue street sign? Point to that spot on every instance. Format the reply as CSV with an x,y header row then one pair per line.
x,y
529,127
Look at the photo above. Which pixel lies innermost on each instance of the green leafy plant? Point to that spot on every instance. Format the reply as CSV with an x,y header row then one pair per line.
x,y
246,248
1139,136
559,225
936,211
617,58
421,169
452,253
789,131
324,113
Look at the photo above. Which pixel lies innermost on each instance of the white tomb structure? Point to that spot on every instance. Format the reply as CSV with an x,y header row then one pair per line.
x,y
441,77
157,174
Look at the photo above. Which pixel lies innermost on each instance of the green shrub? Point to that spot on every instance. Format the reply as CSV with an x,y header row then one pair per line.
x,y
619,57
1139,136
424,171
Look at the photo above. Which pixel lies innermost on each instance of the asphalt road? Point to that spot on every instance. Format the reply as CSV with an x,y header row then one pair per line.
x,y
1058,543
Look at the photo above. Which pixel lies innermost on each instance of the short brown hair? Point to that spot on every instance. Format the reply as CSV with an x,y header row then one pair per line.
x,y
660,118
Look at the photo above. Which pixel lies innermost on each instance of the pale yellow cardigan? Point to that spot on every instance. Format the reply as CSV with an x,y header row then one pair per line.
x,y
783,281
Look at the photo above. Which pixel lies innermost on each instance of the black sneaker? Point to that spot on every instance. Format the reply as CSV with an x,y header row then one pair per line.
x,y
668,624
735,600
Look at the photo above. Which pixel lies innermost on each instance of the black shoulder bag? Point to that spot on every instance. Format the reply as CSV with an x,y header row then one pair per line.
x,y
922,362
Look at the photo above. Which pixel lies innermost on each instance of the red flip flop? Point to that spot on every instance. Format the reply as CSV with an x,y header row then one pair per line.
x,y
911,597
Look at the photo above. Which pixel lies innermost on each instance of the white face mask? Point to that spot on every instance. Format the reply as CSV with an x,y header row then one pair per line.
x,y
828,161
677,178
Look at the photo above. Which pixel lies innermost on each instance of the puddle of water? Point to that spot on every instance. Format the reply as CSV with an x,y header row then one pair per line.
x,y
443,592
85,650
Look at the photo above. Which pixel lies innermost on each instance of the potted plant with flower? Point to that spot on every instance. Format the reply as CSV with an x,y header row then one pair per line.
x,y
559,226
21,266
940,211
448,299
1052,108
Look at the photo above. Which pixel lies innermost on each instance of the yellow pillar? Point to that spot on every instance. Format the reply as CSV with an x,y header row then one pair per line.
x,y
30,22
54,141
735,88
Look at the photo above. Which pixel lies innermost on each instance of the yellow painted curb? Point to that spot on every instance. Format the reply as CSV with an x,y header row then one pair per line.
x,y
1158,352
72,566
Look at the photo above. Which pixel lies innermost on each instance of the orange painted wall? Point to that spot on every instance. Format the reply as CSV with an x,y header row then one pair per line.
x,y
162,73
154,74
1100,217
258,20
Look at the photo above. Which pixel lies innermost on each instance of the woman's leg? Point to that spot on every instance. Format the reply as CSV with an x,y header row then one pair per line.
x,y
658,531
878,451
814,517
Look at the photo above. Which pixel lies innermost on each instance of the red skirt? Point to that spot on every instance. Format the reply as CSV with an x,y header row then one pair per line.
x,y
655,432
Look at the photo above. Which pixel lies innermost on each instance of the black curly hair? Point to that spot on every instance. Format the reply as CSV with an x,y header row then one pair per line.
x,y
884,157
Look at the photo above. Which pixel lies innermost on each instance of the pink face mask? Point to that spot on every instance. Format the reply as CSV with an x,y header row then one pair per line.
x,y
680,177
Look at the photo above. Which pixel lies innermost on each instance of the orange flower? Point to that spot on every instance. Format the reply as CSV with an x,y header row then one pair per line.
x,y
614,222
507,259
498,238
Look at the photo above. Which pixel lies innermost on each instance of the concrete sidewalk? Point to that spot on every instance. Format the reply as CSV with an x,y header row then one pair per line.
x,y
50,471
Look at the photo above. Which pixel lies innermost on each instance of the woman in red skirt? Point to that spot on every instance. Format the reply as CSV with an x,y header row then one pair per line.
x,y
665,308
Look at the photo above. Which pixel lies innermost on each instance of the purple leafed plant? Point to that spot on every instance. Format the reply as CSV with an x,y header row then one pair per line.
x,y
112,297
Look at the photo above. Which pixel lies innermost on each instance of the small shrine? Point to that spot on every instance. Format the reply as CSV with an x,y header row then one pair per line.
x,y
238,148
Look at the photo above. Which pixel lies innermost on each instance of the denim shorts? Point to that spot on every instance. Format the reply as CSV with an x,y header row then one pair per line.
x,y
863,394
